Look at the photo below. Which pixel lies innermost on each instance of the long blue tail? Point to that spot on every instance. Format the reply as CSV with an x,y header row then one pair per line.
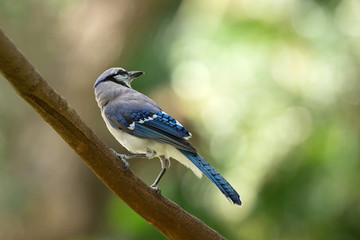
x,y
214,176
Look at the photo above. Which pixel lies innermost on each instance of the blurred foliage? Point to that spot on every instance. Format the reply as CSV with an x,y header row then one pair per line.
x,y
269,90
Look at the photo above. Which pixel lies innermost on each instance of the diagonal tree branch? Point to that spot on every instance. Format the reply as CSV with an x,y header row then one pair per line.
x,y
163,214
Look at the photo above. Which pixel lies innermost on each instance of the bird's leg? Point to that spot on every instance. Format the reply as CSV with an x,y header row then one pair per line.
x,y
165,164
149,154
123,158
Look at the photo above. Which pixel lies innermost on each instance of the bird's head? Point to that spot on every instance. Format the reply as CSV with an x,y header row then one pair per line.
x,y
119,76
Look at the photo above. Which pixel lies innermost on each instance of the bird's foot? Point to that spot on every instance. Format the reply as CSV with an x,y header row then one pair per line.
x,y
156,188
122,158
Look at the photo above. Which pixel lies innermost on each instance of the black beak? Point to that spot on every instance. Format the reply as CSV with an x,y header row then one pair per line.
x,y
135,74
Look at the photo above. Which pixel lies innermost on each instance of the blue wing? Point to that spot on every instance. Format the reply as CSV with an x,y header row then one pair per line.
x,y
157,126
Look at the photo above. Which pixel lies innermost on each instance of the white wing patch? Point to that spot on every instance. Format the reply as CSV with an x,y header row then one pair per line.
x,y
188,137
148,119
132,125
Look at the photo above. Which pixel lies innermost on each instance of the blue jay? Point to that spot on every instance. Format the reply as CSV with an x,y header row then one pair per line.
x,y
140,125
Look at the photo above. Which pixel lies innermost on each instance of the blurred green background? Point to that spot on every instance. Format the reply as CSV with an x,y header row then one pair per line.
x,y
270,90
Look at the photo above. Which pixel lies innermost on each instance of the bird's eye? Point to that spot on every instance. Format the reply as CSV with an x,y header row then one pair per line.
x,y
121,72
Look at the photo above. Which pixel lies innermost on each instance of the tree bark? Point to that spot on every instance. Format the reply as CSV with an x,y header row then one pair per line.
x,y
165,215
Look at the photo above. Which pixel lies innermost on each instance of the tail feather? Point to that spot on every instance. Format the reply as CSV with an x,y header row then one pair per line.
x,y
214,176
